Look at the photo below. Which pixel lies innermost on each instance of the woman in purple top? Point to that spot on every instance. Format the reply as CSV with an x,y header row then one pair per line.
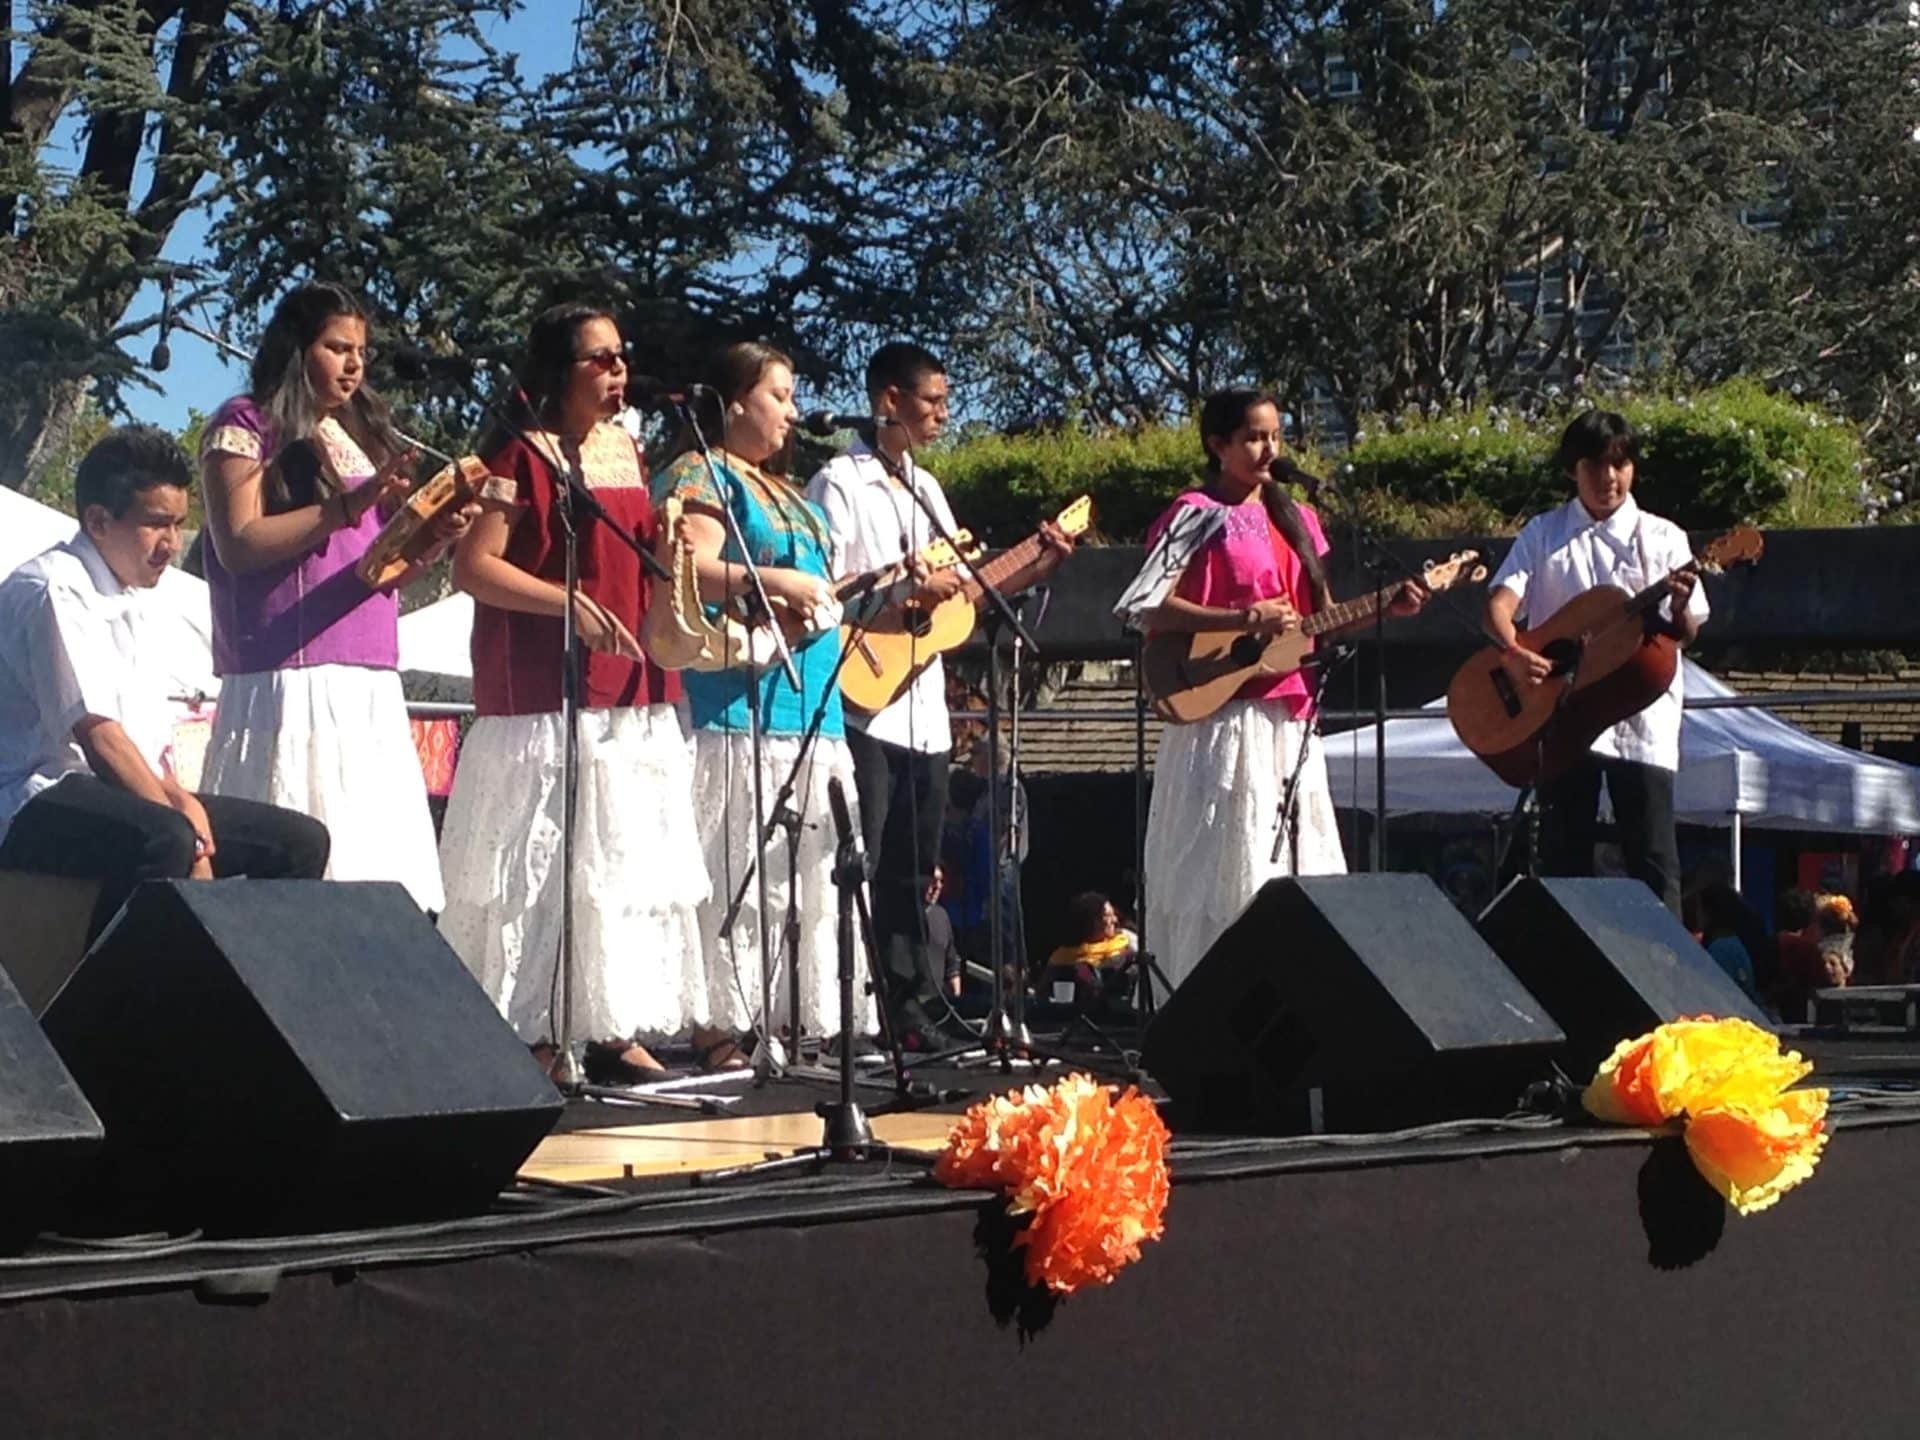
x,y
298,476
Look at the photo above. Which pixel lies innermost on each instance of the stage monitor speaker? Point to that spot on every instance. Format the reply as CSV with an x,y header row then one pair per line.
x,y
288,1055
1347,1002
1608,960
49,1135
48,918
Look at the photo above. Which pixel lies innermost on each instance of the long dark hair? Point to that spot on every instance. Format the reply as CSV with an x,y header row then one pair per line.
x,y
1224,412
278,384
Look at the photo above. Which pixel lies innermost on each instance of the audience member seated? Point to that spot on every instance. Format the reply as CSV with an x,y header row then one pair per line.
x,y
1094,972
1833,925
1721,918
86,788
1814,948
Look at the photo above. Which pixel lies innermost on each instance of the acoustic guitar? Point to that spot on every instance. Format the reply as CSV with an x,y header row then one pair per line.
x,y
1190,676
888,655
1608,665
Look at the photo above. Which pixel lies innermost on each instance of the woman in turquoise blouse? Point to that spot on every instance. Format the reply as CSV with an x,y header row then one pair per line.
x,y
748,421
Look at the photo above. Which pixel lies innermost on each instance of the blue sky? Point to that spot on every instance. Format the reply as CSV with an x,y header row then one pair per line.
x,y
200,376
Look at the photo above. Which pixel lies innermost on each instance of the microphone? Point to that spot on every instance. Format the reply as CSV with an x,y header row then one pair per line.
x,y
1285,469
162,355
843,824
826,422
650,392
415,364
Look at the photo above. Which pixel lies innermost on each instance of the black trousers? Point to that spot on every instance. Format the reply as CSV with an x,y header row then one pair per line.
x,y
87,829
903,802
1642,798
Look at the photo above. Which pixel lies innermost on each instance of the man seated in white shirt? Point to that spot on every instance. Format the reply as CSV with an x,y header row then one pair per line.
x,y
85,727
1602,537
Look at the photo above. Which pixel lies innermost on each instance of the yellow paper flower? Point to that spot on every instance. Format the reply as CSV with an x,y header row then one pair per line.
x,y
1089,1170
1687,1066
1749,1136
1753,1157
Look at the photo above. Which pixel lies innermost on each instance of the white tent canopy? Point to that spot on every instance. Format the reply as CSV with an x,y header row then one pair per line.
x,y
437,638
27,528
1735,762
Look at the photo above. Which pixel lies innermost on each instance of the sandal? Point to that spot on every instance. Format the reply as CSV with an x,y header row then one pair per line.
x,y
621,1062
721,1052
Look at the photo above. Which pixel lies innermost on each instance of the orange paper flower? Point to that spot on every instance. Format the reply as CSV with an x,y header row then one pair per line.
x,y
1088,1169
1753,1157
1750,1137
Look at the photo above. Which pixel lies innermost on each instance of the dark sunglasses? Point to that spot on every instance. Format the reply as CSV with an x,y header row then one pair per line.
x,y
603,360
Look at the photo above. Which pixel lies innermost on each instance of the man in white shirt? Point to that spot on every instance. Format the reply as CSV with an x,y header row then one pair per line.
x,y
1602,537
902,754
85,730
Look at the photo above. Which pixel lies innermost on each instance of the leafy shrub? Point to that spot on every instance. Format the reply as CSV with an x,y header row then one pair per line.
x,y
1734,452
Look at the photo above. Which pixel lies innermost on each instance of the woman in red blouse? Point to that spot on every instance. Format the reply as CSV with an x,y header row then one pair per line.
x,y
637,872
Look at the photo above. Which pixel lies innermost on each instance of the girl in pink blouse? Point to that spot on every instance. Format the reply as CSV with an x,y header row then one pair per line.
x,y
1218,783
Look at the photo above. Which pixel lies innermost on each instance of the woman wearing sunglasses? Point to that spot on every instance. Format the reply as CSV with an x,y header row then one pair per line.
x,y
637,873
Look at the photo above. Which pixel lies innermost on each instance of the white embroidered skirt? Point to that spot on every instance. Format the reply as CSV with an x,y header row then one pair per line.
x,y
333,742
637,876
1213,821
723,805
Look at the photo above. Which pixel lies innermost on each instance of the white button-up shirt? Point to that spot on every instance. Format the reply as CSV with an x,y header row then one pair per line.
x,y
74,642
875,522
1566,552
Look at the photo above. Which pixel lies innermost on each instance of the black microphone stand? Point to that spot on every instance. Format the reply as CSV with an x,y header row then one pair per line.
x,y
847,1135
1147,965
768,1058
787,819
1320,667
1378,564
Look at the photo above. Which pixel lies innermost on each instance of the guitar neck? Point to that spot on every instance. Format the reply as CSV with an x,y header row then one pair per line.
x,y
1003,567
1650,598
1347,612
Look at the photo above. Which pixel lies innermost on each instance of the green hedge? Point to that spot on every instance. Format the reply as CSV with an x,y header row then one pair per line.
x,y
1735,452
1710,458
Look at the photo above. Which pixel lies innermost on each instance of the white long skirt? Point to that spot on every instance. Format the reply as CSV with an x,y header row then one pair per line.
x,y
723,804
637,877
333,742
1211,828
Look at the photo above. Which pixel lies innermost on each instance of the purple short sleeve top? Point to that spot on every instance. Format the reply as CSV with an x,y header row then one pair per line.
x,y
309,611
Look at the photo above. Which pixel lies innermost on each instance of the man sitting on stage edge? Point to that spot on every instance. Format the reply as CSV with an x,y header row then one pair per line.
x,y
1603,537
85,728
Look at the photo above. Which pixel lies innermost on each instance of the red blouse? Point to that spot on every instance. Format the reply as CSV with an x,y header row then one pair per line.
x,y
516,656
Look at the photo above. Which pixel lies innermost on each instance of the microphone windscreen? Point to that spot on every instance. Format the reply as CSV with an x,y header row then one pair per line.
x,y
409,362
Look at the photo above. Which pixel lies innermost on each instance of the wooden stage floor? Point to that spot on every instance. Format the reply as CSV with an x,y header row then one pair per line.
x,y
624,1152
